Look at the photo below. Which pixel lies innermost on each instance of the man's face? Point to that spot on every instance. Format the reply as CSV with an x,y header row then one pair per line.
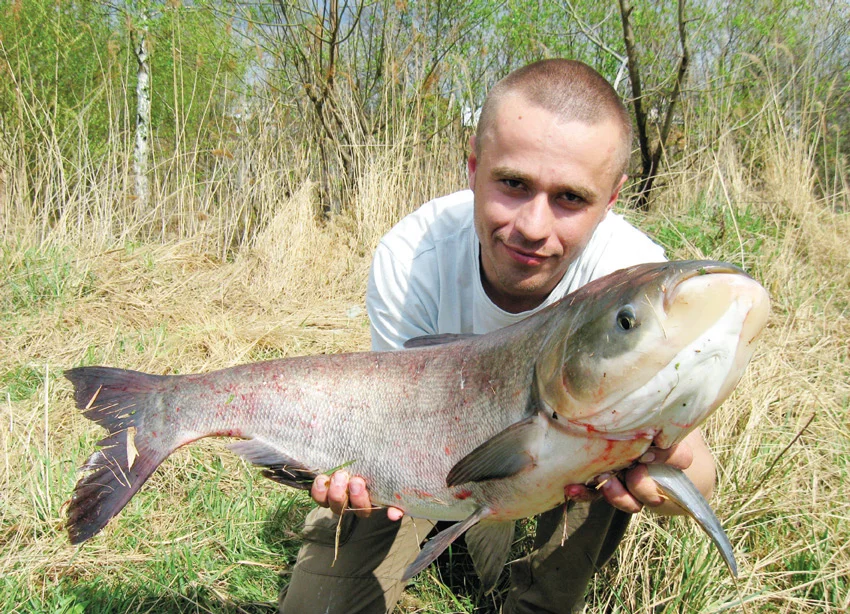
x,y
541,187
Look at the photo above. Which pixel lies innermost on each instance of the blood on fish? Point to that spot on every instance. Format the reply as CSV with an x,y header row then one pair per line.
x,y
464,494
423,494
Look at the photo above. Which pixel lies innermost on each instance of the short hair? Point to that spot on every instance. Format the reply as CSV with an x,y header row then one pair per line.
x,y
568,88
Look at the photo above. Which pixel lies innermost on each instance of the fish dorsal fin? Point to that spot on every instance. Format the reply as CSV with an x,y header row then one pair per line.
x,y
429,340
508,453
489,544
442,540
278,466
677,486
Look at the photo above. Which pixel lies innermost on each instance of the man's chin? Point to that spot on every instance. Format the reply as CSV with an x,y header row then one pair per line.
x,y
525,290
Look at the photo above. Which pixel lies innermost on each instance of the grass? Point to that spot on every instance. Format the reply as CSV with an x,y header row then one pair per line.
x,y
109,284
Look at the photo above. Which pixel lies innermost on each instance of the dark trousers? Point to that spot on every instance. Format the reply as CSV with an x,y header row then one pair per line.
x,y
364,574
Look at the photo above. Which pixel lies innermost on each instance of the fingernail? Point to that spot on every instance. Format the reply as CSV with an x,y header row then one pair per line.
x,y
603,480
574,491
647,458
355,487
340,479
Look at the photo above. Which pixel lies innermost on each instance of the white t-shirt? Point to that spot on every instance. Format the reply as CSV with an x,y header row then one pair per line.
x,y
426,278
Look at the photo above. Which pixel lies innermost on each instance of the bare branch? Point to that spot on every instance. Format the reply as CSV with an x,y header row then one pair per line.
x,y
591,34
651,160
684,61
634,77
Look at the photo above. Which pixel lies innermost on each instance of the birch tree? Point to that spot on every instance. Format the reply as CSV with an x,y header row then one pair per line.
x,y
143,105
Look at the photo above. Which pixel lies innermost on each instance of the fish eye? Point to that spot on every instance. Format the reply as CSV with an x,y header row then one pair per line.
x,y
626,318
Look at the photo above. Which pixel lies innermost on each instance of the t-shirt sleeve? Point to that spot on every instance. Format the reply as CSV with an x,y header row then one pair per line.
x,y
399,309
621,246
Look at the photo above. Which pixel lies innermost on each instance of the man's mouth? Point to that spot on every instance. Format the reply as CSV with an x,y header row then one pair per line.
x,y
525,257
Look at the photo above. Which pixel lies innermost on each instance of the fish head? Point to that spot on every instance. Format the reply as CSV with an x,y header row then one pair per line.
x,y
650,351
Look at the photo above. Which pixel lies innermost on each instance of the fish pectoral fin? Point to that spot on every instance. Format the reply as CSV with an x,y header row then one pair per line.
x,y
489,544
429,340
502,456
277,465
678,487
442,540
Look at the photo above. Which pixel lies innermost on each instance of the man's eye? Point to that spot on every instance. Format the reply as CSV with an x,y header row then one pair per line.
x,y
513,184
571,200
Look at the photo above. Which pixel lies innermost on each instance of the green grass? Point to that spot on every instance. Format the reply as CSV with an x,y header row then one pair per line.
x,y
21,382
38,279
213,540
714,231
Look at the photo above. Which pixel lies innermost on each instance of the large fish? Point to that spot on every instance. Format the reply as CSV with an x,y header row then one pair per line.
x,y
481,430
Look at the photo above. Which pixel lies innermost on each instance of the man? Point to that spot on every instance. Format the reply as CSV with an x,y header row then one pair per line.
x,y
546,166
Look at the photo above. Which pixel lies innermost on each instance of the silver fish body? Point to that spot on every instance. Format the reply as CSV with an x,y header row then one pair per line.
x,y
480,429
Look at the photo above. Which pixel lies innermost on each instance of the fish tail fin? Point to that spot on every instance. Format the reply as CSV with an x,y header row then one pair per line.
x,y
118,400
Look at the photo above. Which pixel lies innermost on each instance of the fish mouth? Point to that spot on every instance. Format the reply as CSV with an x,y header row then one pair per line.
x,y
731,309
682,275
709,291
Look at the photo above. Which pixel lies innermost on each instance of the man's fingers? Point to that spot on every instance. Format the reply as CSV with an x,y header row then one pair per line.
x,y
338,492
342,491
642,487
319,490
680,456
617,495
358,497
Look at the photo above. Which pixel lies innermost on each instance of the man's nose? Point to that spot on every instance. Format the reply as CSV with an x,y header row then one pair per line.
x,y
534,218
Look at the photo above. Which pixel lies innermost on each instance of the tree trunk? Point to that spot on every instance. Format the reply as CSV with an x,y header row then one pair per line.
x,y
143,110
651,160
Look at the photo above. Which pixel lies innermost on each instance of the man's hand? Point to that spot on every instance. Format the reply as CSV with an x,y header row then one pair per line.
x,y
637,489
341,490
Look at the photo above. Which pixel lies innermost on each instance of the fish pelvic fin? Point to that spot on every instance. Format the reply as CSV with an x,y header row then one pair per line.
x,y
502,456
489,544
678,487
117,400
442,540
277,465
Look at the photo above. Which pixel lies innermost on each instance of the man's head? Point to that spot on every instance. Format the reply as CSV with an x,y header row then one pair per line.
x,y
569,89
547,164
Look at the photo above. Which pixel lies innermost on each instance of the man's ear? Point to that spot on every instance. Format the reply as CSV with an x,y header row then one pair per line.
x,y
471,163
616,193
